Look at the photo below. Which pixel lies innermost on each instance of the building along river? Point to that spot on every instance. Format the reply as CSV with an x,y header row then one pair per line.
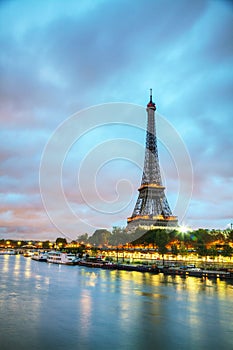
x,y
56,307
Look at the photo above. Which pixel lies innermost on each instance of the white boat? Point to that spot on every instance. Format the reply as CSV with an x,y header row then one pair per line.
x,y
39,256
57,257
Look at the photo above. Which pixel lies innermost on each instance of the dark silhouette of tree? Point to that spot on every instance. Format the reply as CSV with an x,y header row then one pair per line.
x,y
61,242
46,244
83,238
174,249
213,252
119,236
203,236
100,237
201,249
227,250
230,236
183,249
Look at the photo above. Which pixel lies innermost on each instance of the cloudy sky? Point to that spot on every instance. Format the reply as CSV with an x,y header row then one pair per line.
x,y
75,80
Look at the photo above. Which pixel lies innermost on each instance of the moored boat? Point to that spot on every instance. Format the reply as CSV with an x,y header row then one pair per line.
x,y
217,274
39,256
99,263
57,257
197,272
95,262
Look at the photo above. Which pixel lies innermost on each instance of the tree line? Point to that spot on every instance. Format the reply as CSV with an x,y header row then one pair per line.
x,y
203,241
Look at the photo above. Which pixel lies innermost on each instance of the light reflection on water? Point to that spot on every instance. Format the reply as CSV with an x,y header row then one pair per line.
x,y
47,306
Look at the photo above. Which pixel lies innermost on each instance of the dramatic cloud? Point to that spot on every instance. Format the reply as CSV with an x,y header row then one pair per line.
x,y
56,60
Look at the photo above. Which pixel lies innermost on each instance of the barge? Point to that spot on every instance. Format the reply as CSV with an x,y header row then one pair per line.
x,y
197,272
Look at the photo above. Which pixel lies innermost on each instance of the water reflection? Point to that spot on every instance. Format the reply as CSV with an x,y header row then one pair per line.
x,y
5,262
27,268
17,265
50,306
85,313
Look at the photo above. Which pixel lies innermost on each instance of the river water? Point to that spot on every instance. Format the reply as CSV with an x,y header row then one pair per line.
x,y
47,306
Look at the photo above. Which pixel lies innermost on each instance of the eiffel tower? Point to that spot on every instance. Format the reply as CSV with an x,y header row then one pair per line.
x,y
152,209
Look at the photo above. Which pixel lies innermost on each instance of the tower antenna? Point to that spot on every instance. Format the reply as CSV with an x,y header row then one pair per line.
x,y
150,95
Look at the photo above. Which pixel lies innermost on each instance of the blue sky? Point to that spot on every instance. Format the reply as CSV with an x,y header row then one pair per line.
x,y
60,58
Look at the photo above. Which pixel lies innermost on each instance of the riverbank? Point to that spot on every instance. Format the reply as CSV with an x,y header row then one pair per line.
x,y
183,271
167,267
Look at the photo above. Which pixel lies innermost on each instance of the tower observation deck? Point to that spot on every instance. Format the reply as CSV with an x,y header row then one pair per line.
x,y
152,209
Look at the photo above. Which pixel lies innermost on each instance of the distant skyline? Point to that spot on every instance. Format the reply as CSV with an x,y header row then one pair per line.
x,y
59,60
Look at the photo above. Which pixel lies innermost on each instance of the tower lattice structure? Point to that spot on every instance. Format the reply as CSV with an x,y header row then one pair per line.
x,y
152,209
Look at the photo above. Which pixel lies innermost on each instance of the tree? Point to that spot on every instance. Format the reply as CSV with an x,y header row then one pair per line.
x,y
213,252
100,237
174,249
201,249
61,242
46,244
183,250
83,238
139,232
203,236
119,236
161,240
227,250
230,236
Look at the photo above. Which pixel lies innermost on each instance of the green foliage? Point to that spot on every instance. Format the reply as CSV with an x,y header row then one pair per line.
x,y
100,237
183,250
83,238
45,245
61,242
119,236
161,240
203,236
212,252
230,236
201,249
146,238
157,237
227,250
174,249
